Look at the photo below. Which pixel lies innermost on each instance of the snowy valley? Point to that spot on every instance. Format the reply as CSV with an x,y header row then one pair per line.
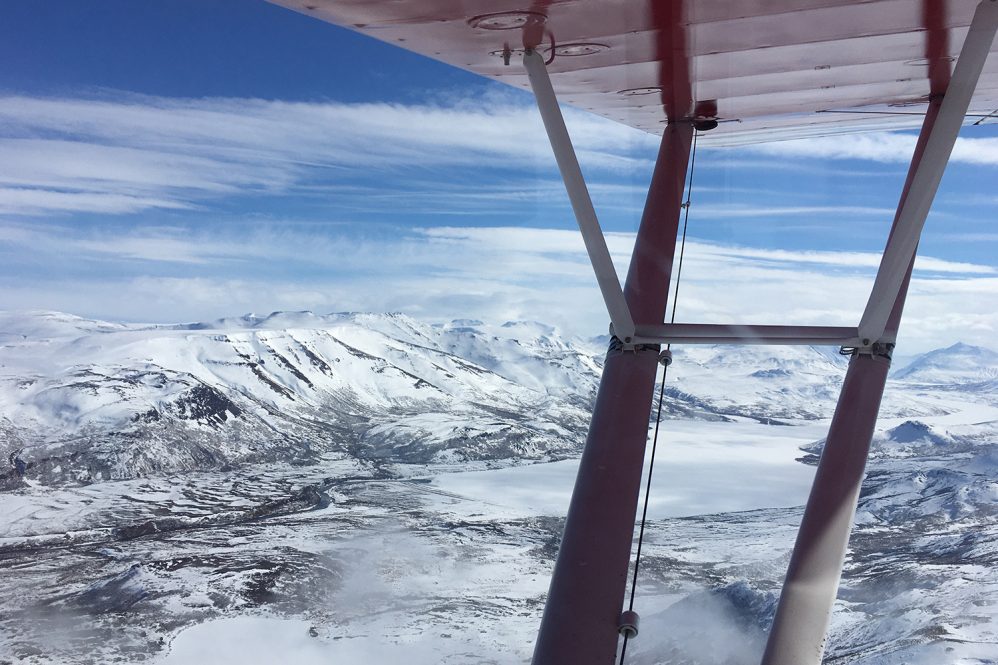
x,y
315,488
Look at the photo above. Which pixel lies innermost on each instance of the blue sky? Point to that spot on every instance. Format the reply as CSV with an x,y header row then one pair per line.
x,y
195,159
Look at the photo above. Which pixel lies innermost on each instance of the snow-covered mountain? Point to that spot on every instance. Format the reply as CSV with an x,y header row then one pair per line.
x,y
372,487
959,363
88,400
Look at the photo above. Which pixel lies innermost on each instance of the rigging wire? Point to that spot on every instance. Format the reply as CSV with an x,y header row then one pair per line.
x,y
686,219
661,394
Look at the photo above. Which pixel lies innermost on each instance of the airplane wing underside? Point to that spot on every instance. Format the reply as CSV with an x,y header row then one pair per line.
x,y
765,69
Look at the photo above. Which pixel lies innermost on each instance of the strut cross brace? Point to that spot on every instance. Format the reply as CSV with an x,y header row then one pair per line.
x,y
713,333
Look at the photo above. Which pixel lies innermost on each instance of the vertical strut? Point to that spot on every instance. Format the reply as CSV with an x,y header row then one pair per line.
x,y
804,611
580,619
798,634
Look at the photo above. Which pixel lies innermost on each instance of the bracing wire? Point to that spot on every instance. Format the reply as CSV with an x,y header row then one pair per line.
x,y
661,395
686,220
644,510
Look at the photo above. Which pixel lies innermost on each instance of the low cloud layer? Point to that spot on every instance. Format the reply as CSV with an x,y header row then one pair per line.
x,y
173,274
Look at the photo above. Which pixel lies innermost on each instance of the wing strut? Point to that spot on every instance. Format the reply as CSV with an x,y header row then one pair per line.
x,y
578,194
929,172
801,623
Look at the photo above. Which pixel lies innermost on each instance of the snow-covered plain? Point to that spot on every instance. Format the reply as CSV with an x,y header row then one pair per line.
x,y
303,488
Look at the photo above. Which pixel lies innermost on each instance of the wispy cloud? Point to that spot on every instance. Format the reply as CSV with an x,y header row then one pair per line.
x,y
884,147
130,153
843,259
741,211
35,201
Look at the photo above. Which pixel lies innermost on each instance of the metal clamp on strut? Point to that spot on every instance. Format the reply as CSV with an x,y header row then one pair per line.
x,y
881,349
628,624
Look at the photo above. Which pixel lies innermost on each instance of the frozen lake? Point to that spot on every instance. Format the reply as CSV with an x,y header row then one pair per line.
x,y
700,468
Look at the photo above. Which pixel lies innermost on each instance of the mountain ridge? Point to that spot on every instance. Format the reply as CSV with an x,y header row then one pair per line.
x,y
86,400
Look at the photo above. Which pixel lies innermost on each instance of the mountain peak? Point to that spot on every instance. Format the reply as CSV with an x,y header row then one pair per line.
x,y
957,363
